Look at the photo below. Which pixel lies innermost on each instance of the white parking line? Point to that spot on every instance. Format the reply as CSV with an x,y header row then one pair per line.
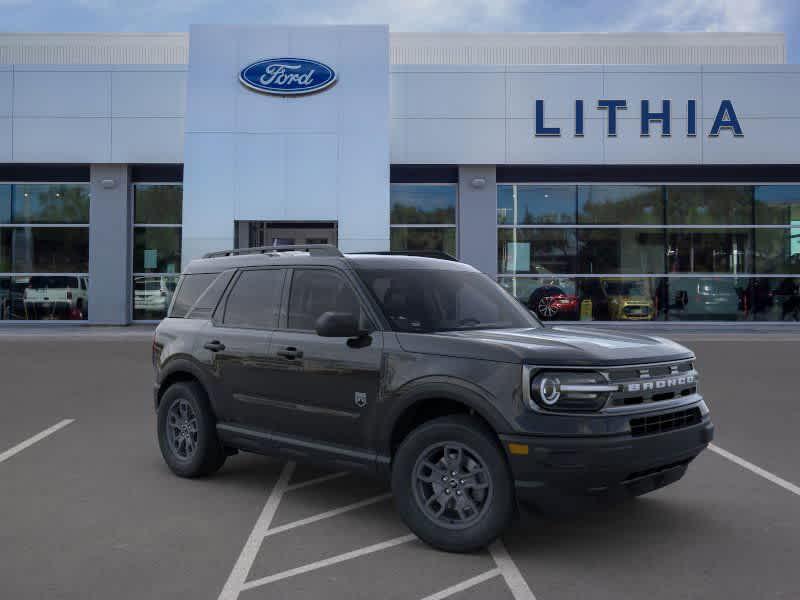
x,y
464,585
756,469
329,561
33,439
237,580
327,514
310,482
510,572
235,584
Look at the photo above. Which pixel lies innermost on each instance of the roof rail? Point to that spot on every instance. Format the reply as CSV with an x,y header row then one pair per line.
x,y
422,253
313,249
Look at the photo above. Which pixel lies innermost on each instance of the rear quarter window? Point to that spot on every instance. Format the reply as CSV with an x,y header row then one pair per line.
x,y
190,289
204,307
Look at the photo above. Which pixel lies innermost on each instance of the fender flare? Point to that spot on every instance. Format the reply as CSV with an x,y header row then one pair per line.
x,y
185,364
450,388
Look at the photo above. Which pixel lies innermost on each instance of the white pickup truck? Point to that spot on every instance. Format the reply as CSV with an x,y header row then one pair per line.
x,y
56,296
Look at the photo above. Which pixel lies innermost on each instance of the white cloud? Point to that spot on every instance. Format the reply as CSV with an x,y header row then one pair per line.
x,y
704,15
416,15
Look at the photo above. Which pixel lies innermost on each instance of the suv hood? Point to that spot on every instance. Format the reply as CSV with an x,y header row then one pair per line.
x,y
547,346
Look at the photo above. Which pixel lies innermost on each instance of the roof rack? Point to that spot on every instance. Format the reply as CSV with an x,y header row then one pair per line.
x,y
422,253
313,249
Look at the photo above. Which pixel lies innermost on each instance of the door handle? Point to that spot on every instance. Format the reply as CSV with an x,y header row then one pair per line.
x,y
214,346
290,353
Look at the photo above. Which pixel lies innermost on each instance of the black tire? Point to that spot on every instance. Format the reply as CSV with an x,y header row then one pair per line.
x,y
409,485
207,454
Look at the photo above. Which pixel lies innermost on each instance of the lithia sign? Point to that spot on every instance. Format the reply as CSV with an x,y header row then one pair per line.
x,y
726,119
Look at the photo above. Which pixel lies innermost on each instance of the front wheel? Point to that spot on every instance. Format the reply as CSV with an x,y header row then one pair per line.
x,y
187,431
452,485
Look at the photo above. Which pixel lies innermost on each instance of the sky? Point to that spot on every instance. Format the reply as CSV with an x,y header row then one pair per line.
x,y
414,15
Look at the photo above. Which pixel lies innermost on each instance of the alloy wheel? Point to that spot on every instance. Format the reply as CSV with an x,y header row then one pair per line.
x,y
182,429
452,485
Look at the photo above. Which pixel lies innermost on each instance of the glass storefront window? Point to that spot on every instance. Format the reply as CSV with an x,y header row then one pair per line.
x,y
708,299
710,251
6,192
44,249
432,205
44,204
424,239
621,251
44,297
157,214
623,298
536,204
658,298
158,204
55,296
550,298
423,204
591,299
709,205
157,250
538,251
724,252
778,250
775,299
152,295
620,205
505,204
777,205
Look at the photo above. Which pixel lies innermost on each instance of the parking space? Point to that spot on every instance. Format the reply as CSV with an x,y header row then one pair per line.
x,y
90,511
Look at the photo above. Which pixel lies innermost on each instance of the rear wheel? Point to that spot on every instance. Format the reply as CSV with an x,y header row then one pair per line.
x,y
187,431
452,485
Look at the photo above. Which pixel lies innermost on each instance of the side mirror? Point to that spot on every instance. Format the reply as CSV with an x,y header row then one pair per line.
x,y
338,324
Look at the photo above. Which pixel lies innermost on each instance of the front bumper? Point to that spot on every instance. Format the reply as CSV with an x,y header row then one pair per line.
x,y
635,312
619,465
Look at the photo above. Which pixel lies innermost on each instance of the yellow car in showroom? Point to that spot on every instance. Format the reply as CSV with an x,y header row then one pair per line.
x,y
628,299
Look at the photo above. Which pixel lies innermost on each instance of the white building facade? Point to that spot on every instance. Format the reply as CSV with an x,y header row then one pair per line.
x,y
631,177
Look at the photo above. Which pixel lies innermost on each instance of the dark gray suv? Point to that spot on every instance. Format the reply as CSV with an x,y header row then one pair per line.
x,y
420,370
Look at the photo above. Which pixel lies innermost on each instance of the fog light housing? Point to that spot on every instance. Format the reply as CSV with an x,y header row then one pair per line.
x,y
569,391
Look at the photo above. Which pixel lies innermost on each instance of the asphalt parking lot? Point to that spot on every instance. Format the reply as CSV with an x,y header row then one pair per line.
x,y
89,510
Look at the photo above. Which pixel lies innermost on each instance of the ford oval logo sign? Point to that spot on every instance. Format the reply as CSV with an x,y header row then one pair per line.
x,y
287,76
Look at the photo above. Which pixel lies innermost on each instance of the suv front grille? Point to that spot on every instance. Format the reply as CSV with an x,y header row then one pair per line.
x,y
652,383
665,422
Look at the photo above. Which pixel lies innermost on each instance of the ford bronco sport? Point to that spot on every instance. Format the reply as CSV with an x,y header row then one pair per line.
x,y
420,370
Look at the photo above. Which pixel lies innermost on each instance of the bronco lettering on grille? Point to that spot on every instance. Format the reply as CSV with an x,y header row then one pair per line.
x,y
660,384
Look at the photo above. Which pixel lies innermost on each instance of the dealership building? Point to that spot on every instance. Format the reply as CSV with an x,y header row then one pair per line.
x,y
622,177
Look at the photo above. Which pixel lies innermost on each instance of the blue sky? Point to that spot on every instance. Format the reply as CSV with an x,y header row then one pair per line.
x,y
414,15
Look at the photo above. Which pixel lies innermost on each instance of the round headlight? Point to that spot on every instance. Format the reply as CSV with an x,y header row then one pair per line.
x,y
549,390
570,390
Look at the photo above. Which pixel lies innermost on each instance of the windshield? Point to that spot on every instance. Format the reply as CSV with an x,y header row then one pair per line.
x,y
627,288
428,300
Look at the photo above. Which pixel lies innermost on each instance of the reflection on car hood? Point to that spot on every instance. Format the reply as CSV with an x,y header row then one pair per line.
x,y
547,346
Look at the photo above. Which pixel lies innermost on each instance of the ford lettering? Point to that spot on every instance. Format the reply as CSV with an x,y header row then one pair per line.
x,y
287,76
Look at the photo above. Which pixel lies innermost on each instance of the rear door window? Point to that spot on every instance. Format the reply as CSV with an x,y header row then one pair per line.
x,y
254,301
